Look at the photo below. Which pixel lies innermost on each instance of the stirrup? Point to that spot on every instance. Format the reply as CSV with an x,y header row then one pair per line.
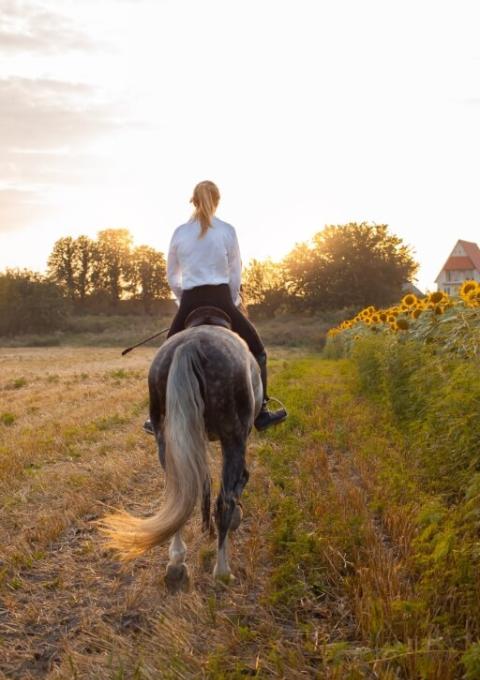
x,y
268,418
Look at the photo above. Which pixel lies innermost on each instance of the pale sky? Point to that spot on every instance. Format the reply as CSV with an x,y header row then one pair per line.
x,y
304,112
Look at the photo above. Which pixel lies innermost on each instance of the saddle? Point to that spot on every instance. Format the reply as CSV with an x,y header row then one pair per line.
x,y
210,316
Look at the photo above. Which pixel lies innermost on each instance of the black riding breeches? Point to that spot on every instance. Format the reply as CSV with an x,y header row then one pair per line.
x,y
217,296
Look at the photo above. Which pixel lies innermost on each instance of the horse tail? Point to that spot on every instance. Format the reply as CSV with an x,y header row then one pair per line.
x,y
186,467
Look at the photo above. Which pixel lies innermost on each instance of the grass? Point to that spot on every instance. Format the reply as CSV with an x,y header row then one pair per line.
x,y
328,560
123,331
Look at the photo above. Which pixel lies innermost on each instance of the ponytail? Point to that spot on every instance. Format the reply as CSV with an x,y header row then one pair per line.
x,y
206,197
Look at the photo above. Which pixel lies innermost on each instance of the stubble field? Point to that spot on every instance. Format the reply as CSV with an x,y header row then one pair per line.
x,y
318,569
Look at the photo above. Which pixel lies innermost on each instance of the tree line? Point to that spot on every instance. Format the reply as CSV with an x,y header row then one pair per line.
x,y
351,265
108,266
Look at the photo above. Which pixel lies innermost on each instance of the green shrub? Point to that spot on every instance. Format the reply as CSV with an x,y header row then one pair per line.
x,y
29,304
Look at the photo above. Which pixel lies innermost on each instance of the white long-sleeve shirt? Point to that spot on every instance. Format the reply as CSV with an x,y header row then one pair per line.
x,y
210,260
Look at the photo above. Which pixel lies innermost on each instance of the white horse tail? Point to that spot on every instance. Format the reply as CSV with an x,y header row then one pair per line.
x,y
186,460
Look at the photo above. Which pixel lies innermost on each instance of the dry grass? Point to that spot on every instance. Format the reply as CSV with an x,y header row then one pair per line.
x,y
319,573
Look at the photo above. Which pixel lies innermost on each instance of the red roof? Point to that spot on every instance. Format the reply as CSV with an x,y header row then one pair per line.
x,y
472,261
455,263
473,252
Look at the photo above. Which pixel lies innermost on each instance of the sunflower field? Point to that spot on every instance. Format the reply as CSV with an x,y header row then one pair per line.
x,y
416,364
453,324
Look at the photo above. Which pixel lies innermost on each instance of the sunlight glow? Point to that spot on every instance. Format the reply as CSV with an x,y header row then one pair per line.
x,y
305,114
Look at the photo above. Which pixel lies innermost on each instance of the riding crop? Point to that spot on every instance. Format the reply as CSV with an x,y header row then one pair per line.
x,y
142,342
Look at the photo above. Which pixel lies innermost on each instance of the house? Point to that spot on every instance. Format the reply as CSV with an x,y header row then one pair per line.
x,y
462,265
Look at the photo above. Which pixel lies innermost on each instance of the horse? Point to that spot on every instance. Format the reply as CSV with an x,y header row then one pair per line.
x,y
204,385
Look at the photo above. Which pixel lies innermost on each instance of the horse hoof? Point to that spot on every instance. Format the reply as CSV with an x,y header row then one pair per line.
x,y
237,517
177,578
226,578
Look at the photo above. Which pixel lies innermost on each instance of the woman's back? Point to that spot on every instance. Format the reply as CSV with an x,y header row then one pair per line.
x,y
211,259
204,258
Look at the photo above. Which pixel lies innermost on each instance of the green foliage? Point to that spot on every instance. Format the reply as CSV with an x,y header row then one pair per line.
x,y
433,398
147,274
71,265
451,326
471,661
112,262
7,418
264,286
29,304
108,267
352,264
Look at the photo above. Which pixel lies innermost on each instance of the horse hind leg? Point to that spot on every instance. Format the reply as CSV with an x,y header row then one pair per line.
x,y
206,503
237,515
227,511
176,575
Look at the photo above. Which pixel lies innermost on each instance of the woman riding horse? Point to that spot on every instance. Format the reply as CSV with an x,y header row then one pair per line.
x,y
204,269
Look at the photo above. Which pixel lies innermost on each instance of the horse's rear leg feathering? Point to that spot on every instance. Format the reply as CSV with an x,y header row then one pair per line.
x,y
186,462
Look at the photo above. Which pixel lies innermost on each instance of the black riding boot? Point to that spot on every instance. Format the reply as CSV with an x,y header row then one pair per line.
x,y
266,418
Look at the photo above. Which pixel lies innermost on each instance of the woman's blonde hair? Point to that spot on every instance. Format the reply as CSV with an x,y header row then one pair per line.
x,y
206,197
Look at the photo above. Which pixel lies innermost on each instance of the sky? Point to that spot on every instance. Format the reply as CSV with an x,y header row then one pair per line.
x,y
304,112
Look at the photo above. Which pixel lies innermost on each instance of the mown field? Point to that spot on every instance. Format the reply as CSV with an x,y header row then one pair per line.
x,y
328,559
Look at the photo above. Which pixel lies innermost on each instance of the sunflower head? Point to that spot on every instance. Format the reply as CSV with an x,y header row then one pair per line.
x,y
467,288
473,297
402,325
416,312
409,300
437,297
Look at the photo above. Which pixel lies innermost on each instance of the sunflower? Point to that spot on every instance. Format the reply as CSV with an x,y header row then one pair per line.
x,y
437,297
345,325
416,312
468,287
402,325
472,298
383,317
409,300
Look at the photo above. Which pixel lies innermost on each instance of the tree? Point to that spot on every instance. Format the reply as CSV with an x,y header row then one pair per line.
x,y
70,265
61,266
29,303
85,256
263,285
350,265
112,262
147,274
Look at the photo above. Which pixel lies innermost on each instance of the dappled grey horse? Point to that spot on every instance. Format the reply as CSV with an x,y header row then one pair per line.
x,y
204,385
